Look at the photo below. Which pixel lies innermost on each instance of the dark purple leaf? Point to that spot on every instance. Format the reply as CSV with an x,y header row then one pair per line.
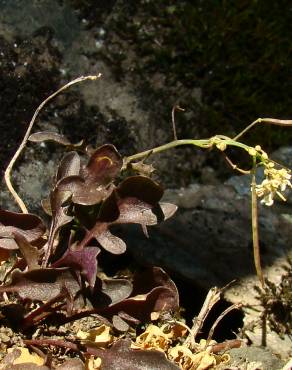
x,y
108,292
116,289
83,260
93,183
120,324
25,366
104,165
41,136
71,364
121,357
106,239
41,284
150,278
127,210
159,299
135,211
69,166
29,226
88,185
153,291
141,187
130,319
89,193
59,202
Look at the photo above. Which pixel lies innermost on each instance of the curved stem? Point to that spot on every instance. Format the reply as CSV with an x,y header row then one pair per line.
x,y
272,121
247,128
8,170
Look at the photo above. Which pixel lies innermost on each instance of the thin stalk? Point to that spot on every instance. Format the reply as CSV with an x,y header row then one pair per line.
x,y
8,170
255,230
211,299
272,121
203,143
247,128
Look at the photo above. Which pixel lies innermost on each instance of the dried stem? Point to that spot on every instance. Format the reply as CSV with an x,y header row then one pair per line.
x,y
225,346
41,312
52,342
175,108
234,166
219,318
212,298
60,343
255,230
8,170
272,121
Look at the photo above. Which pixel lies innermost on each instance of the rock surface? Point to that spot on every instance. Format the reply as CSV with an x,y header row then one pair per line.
x,y
208,242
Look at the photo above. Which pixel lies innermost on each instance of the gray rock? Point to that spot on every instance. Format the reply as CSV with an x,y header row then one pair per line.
x,y
259,356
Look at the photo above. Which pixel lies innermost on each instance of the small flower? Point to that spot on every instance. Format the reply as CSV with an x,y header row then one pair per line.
x,y
276,182
257,150
221,146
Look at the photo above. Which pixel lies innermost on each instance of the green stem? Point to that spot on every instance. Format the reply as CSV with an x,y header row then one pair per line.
x,y
203,143
200,143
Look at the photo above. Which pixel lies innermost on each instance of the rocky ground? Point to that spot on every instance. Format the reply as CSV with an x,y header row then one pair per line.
x,y
45,44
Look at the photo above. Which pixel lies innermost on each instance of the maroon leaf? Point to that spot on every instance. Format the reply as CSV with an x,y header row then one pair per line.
x,y
88,185
41,136
128,210
108,292
59,204
29,226
153,291
141,187
86,193
106,239
121,357
116,289
151,278
159,299
84,260
69,166
41,284
103,166
93,183
120,324
135,211
71,364
25,366
58,199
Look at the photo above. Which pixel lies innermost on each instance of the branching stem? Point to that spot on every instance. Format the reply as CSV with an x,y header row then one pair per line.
x,y
211,299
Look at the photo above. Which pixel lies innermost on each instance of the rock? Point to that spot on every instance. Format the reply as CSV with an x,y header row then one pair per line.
x,y
209,240
258,358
